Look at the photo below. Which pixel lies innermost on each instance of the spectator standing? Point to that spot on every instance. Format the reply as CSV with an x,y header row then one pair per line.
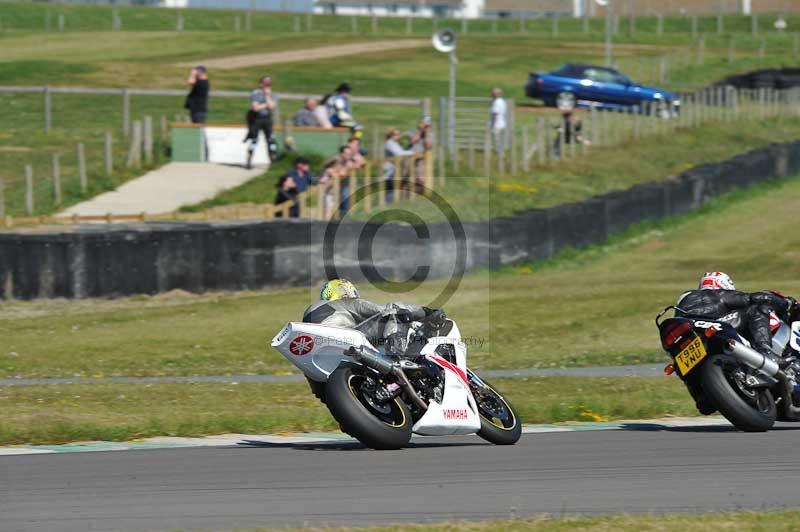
x,y
301,173
497,119
259,118
332,170
421,141
572,128
306,117
391,149
321,112
197,99
287,191
339,107
347,164
358,159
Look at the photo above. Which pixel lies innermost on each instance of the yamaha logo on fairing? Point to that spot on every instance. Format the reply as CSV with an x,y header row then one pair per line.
x,y
455,413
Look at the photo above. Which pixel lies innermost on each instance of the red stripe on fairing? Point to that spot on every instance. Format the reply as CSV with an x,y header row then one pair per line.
x,y
452,367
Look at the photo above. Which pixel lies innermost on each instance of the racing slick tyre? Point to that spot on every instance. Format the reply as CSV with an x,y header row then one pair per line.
x,y
747,410
565,101
500,422
318,389
377,425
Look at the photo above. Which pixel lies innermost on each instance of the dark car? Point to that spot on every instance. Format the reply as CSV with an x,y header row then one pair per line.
x,y
578,85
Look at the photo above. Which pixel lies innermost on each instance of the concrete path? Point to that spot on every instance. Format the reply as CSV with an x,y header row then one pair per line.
x,y
166,189
309,54
641,370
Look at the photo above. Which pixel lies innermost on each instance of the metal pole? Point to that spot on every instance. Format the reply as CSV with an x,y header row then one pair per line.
x,y
56,180
609,44
47,109
451,111
29,189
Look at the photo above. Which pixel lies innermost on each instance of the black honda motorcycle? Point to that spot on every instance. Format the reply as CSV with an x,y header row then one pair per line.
x,y
724,373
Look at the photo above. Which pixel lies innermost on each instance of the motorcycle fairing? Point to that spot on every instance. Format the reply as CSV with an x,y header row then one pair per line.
x,y
328,347
794,340
458,412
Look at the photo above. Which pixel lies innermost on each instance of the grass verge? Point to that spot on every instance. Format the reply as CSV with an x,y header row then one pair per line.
x,y
117,412
778,520
585,307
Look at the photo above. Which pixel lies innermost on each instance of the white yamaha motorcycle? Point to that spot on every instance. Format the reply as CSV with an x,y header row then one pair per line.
x,y
381,400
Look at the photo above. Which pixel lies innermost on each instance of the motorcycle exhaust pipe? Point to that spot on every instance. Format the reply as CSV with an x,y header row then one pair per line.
x,y
385,367
376,362
752,358
406,386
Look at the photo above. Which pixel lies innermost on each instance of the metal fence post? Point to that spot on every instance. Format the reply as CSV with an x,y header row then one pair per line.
x,y
108,154
29,205
148,139
48,108
701,48
540,142
720,25
731,48
660,25
795,47
56,180
82,168
487,152
126,112
754,24
2,198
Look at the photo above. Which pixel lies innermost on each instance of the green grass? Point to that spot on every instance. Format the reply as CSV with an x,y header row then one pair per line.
x,y
590,307
149,53
65,413
765,521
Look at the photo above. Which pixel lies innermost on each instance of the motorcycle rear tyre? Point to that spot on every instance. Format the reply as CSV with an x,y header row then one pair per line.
x,y
730,404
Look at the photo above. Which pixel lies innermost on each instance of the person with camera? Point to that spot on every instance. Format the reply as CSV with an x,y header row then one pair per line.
x,y
421,141
197,99
259,118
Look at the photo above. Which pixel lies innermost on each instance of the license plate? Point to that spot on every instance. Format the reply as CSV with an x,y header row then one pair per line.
x,y
691,356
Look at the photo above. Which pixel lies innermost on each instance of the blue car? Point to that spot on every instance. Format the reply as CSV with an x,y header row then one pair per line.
x,y
576,85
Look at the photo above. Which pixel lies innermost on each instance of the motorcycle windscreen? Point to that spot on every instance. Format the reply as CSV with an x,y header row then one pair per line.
x,y
457,413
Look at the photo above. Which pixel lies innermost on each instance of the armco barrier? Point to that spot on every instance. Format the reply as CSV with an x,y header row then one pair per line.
x,y
103,261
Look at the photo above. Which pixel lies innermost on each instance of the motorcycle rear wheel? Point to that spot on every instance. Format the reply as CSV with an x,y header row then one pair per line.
x,y
500,422
378,426
756,415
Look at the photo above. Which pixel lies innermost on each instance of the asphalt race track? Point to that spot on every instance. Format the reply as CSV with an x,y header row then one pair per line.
x,y
686,469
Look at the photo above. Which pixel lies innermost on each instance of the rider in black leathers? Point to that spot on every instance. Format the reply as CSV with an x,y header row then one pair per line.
x,y
717,299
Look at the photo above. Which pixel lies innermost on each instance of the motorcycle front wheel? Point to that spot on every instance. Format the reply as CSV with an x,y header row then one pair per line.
x,y
748,410
378,425
500,422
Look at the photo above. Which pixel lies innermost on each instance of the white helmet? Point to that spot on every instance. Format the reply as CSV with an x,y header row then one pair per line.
x,y
716,281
